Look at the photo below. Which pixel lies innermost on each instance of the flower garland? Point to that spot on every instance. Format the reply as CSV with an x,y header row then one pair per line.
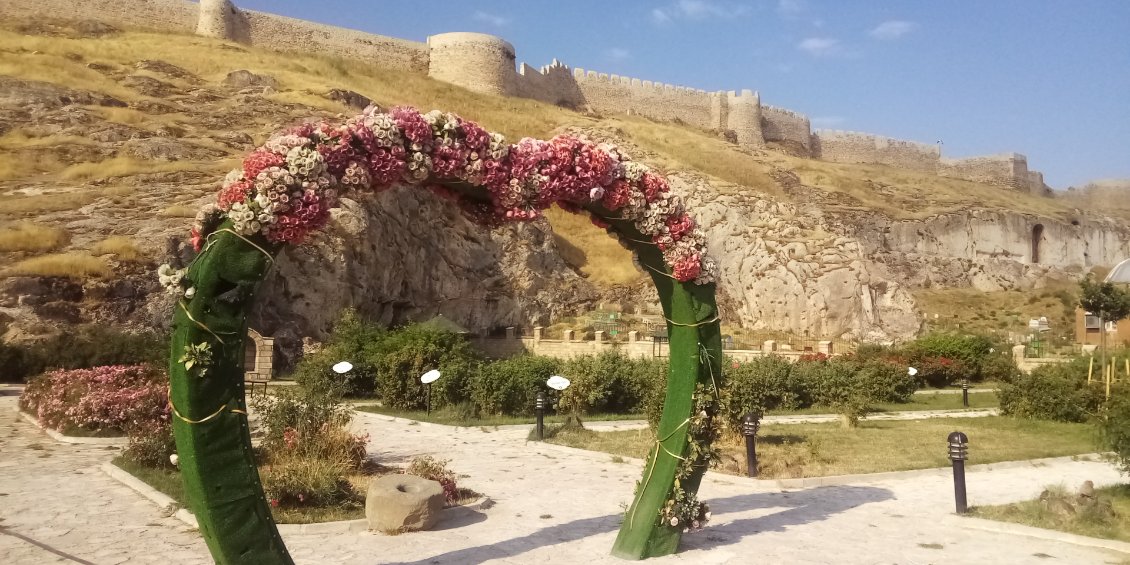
x,y
683,509
286,188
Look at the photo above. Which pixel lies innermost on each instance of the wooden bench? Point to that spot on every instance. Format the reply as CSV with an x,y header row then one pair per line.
x,y
252,379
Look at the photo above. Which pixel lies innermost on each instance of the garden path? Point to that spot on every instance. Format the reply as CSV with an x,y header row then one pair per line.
x,y
552,505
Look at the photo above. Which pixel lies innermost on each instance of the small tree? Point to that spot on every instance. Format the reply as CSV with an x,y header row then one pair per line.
x,y
1106,301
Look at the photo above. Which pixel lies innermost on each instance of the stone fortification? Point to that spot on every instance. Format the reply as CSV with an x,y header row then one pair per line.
x,y
485,63
786,126
163,15
476,61
1008,170
854,147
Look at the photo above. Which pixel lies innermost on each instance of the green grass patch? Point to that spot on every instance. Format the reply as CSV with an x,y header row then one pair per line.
x,y
1097,519
166,481
920,402
450,417
169,482
820,450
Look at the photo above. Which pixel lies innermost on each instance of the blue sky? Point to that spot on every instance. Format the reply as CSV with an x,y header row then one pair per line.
x,y
1049,79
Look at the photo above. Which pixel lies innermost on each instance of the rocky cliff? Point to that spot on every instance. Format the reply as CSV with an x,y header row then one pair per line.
x,y
100,136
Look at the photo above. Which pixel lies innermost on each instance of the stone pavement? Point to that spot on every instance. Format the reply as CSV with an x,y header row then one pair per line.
x,y
553,505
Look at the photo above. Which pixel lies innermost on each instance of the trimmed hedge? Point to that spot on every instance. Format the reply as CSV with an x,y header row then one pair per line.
x,y
1053,392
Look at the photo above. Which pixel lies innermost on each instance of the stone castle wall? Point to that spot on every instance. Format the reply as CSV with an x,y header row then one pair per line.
x,y
781,125
163,15
1008,170
476,61
485,63
863,148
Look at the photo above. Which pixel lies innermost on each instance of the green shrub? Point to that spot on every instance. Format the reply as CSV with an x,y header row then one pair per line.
x,y
93,346
940,372
297,412
758,386
150,444
307,481
883,380
1114,426
1052,392
436,470
839,388
968,348
16,365
608,382
352,340
406,354
999,367
509,386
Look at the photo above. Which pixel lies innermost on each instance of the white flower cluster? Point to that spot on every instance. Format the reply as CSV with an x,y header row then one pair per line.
x,y
253,217
419,165
384,129
305,161
171,278
444,126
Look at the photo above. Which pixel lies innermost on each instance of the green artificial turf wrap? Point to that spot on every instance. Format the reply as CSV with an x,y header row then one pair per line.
x,y
694,334
210,423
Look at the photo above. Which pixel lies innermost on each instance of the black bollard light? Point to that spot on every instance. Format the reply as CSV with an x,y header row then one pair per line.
x,y
965,393
540,405
751,422
958,453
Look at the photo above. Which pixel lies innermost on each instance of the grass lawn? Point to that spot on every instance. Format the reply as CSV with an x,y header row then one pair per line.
x,y
818,450
452,418
922,401
1086,521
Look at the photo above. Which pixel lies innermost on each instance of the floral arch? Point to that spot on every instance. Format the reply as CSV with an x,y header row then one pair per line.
x,y
285,190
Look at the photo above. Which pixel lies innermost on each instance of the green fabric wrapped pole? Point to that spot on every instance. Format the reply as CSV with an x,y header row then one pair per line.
x,y
695,347
210,420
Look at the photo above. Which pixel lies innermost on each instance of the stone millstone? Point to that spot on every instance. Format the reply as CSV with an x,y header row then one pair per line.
x,y
403,503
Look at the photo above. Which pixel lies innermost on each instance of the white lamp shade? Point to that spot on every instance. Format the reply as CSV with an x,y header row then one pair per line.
x,y
343,367
557,382
430,377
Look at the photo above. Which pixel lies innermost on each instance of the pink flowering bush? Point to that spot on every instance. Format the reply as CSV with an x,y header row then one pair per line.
x,y
109,399
285,189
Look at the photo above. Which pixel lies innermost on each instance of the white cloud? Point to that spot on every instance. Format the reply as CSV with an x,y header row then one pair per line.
x,y
820,46
617,54
697,10
492,19
892,29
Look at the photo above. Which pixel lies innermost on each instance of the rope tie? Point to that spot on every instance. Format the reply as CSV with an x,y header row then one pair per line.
x,y
218,411
200,324
658,445
245,240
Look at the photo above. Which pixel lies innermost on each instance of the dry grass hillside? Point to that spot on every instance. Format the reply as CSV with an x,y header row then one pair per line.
x,y
108,143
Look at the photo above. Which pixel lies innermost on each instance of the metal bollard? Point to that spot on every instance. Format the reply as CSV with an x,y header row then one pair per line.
x,y
540,405
751,422
958,453
965,393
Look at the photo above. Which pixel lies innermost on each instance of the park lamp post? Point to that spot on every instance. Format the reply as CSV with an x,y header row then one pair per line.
x,y
540,405
428,378
958,453
965,392
751,422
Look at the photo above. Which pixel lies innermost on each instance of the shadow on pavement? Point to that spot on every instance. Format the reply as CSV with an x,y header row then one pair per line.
x,y
802,507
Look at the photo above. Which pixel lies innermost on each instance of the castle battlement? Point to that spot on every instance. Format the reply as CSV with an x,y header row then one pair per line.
x,y
486,63
766,108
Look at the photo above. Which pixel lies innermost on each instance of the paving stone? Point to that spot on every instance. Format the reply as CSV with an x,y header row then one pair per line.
x,y
892,521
